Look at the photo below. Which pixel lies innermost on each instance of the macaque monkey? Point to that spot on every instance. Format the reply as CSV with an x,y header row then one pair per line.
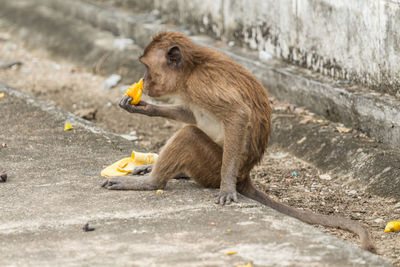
x,y
228,117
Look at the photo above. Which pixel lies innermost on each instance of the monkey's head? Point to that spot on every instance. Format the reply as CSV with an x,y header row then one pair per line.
x,y
166,62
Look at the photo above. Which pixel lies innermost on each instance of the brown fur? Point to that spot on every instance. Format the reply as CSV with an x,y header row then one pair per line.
x,y
217,95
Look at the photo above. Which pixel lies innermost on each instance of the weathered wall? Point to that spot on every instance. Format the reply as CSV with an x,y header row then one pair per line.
x,y
355,40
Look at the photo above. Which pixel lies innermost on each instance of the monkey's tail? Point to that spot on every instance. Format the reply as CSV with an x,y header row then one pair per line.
x,y
250,191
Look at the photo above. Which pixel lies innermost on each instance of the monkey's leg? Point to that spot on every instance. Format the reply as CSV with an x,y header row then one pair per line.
x,y
190,151
144,182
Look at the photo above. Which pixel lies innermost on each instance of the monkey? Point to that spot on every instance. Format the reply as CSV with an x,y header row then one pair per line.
x,y
227,115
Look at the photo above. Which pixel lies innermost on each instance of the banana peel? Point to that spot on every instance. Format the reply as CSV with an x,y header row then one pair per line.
x,y
126,165
392,226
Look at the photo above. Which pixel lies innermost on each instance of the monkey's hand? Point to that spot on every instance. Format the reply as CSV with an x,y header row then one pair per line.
x,y
141,108
142,169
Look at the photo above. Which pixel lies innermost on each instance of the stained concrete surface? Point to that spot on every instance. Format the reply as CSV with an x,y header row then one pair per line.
x,y
54,189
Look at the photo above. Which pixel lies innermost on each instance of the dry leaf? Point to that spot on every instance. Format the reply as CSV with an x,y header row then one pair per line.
x,y
301,140
1,95
306,120
368,140
343,129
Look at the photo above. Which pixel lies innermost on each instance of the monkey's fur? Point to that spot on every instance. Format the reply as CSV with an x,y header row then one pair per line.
x,y
228,115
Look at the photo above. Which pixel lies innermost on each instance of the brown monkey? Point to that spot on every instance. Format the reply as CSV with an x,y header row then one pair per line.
x,y
228,115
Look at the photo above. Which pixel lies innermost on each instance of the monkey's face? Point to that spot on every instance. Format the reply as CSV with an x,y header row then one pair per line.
x,y
162,71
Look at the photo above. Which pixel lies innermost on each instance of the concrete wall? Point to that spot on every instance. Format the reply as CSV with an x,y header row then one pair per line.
x,y
357,41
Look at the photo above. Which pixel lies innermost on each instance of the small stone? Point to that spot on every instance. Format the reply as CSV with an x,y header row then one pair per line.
x,y
325,177
112,81
155,12
10,64
86,228
397,206
264,56
129,137
343,82
3,177
122,43
352,192
379,220
213,224
87,113
278,155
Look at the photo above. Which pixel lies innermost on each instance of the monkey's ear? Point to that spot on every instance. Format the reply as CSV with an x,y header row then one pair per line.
x,y
174,57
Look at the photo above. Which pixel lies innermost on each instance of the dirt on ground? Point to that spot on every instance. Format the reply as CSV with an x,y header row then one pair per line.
x,y
281,175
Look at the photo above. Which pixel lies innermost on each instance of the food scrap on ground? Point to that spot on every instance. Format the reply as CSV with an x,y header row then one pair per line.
x,y
159,192
68,127
126,165
392,226
230,252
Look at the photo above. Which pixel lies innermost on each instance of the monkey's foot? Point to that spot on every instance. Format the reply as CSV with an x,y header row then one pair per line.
x,y
226,198
143,169
131,183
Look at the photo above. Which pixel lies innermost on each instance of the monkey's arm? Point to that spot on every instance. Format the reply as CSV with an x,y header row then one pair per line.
x,y
236,133
178,113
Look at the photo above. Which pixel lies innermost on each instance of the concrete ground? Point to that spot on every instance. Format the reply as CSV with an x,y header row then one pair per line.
x,y
53,189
